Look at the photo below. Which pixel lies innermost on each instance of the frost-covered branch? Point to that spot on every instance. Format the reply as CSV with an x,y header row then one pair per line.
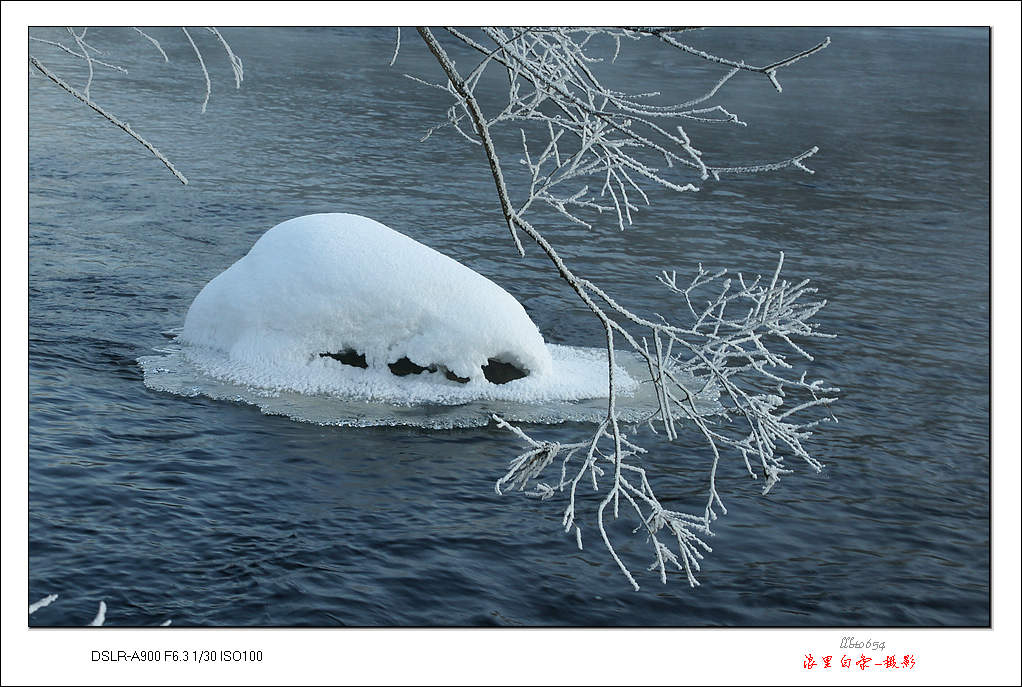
x,y
85,53
606,146
152,40
100,615
770,71
42,603
592,149
726,343
202,64
111,118
397,47
236,65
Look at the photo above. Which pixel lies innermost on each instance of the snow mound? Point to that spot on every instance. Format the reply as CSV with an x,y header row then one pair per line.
x,y
337,319
328,291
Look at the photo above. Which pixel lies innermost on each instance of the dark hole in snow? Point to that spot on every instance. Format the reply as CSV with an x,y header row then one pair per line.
x,y
455,378
404,366
495,371
349,356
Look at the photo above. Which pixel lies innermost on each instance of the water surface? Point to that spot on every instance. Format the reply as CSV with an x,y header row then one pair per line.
x,y
210,512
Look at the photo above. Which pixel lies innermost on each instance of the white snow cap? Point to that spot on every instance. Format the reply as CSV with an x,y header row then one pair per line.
x,y
331,283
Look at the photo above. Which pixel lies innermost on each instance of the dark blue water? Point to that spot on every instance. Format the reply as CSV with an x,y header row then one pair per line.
x,y
211,513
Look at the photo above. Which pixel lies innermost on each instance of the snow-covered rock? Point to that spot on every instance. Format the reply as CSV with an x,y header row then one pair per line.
x,y
339,289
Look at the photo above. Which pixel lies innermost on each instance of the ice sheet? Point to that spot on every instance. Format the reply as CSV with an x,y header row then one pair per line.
x,y
574,391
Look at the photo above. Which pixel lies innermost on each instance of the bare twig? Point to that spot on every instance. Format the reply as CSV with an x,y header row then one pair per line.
x,y
41,603
236,65
153,41
79,55
397,47
85,52
100,616
202,63
111,118
770,71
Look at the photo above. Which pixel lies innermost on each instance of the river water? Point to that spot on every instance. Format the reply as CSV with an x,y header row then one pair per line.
x,y
208,512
